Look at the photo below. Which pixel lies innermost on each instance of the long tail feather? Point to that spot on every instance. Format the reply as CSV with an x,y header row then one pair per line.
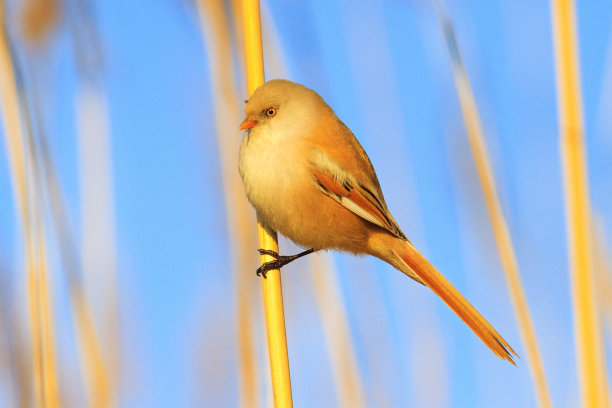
x,y
419,265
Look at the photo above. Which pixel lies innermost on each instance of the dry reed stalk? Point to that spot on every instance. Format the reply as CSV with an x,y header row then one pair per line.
x,y
347,378
99,394
96,269
501,231
330,302
44,300
36,331
99,353
272,291
96,375
435,378
98,382
40,310
51,385
97,378
587,333
215,24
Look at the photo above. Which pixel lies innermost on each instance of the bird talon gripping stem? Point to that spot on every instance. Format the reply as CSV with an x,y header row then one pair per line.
x,y
273,254
279,260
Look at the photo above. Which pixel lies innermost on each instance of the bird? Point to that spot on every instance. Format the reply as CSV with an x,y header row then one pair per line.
x,y
309,178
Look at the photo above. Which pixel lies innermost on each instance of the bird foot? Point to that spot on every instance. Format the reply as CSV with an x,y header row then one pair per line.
x,y
279,260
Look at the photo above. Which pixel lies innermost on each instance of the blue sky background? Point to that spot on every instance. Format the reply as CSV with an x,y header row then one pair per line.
x,y
383,67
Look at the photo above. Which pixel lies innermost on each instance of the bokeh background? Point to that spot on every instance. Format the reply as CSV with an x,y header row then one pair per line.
x,y
139,103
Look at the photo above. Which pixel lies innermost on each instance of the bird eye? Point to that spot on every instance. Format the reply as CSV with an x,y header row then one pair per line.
x,y
270,112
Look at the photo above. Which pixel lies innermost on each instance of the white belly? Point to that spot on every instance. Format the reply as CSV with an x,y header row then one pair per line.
x,y
270,170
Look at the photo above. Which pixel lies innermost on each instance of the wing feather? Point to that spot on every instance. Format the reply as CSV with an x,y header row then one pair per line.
x,y
357,199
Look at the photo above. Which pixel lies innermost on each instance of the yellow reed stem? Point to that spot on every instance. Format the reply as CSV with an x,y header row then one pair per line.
x,y
51,386
96,375
253,50
34,312
272,291
215,25
347,379
97,378
45,376
586,328
13,132
99,393
496,216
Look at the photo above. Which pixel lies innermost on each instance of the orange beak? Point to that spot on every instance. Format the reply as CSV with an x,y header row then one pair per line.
x,y
248,123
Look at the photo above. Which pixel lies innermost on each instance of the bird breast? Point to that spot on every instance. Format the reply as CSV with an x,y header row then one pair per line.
x,y
271,169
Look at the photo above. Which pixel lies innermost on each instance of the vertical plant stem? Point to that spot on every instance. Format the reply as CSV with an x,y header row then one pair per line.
x,y
39,304
34,312
96,376
40,312
348,383
94,368
347,378
51,386
99,394
571,128
501,231
272,292
215,25
98,256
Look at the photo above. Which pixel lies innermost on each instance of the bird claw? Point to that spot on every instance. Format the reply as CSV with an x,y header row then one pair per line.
x,y
273,254
278,262
268,266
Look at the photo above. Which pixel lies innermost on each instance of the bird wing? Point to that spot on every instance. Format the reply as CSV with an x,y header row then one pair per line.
x,y
343,171
357,198
362,200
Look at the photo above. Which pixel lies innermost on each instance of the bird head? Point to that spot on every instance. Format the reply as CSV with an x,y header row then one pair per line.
x,y
284,105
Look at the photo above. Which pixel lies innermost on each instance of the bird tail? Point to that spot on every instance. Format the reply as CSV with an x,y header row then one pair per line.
x,y
413,263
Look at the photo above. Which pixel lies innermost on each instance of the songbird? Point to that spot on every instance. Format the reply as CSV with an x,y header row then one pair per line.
x,y
308,178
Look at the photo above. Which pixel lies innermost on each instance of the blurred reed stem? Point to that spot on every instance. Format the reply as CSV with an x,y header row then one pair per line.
x,y
99,394
98,249
272,291
94,297
499,224
51,386
590,361
20,160
347,378
329,298
97,378
92,363
215,25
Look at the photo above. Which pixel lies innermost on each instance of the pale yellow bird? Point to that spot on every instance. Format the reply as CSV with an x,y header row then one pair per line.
x,y
309,179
